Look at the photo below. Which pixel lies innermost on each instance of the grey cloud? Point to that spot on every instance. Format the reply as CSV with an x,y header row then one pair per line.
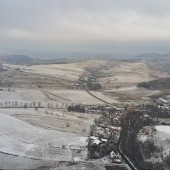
x,y
85,25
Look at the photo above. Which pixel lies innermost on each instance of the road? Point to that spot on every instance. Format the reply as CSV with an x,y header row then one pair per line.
x,y
128,162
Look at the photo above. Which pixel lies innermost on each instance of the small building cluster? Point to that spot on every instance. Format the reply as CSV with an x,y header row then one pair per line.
x,y
104,136
115,157
164,103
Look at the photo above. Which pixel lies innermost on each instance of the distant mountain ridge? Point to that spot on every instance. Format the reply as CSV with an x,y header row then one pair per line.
x,y
16,59
24,59
154,56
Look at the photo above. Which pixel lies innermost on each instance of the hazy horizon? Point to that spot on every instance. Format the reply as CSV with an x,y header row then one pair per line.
x,y
45,28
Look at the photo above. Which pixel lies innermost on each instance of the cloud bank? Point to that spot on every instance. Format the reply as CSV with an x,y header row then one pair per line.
x,y
97,26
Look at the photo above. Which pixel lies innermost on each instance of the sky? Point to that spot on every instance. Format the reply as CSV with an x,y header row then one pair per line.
x,y
118,27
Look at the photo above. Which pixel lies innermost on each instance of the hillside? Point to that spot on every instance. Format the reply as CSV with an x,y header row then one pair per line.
x,y
16,59
163,83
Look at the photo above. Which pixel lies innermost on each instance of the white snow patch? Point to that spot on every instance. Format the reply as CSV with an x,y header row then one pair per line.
x,y
165,129
22,139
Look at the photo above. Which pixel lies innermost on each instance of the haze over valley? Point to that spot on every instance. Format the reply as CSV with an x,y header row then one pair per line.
x,y
84,85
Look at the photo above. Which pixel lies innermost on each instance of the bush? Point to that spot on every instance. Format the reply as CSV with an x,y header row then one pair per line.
x,y
94,86
76,108
144,85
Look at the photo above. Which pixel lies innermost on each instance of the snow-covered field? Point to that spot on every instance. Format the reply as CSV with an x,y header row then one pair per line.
x,y
62,71
56,120
52,96
26,141
76,96
159,134
162,138
15,162
32,97
127,73
159,137
108,99
22,95
31,138
69,71
164,129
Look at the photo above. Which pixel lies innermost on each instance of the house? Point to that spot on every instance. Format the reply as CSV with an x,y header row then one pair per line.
x,y
162,101
115,157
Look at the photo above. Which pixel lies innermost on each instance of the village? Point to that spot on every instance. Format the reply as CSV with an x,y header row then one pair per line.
x,y
80,118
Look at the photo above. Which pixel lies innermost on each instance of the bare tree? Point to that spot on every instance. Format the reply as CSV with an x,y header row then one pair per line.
x,y
16,104
66,105
25,105
30,105
62,105
48,105
34,104
39,104
6,104
13,104
63,146
9,104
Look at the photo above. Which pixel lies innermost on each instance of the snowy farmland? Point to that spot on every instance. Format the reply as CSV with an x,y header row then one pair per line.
x,y
108,99
53,96
159,137
36,129
24,95
125,74
55,120
66,71
162,137
77,96
21,139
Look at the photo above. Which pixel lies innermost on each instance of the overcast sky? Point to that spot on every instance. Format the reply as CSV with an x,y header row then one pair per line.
x,y
92,26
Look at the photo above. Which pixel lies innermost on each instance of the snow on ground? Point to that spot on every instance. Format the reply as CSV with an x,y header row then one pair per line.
x,y
76,96
128,73
132,94
164,129
145,134
64,71
20,163
69,71
158,133
129,90
22,95
25,140
54,119
104,97
18,111
83,166
160,137
29,97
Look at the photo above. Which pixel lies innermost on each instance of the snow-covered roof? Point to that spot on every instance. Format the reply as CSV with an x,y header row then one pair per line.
x,y
97,142
93,137
162,100
104,140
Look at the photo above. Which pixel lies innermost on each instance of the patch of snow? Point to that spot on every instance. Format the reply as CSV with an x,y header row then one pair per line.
x,y
165,129
22,139
96,141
